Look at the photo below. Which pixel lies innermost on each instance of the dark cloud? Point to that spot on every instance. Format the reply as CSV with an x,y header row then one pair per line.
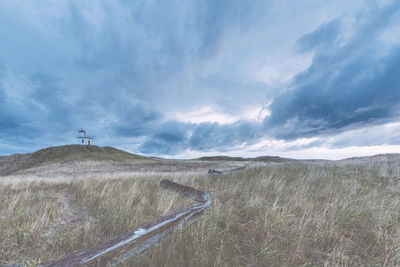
x,y
324,37
175,137
171,132
167,138
213,136
135,120
345,85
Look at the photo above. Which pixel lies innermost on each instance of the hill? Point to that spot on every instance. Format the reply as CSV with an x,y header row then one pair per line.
x,y
63,154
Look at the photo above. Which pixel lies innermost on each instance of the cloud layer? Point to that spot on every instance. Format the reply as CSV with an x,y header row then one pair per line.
x,y
351,83
168,77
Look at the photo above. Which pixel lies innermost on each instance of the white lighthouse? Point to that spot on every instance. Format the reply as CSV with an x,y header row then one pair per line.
x,y
83,139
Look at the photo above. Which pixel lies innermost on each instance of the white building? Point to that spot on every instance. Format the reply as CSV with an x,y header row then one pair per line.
x,y
83,139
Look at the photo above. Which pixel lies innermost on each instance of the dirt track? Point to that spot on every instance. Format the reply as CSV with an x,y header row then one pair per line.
x,y
72,213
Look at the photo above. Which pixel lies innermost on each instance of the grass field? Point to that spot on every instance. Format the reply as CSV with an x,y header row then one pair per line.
x,y
319,213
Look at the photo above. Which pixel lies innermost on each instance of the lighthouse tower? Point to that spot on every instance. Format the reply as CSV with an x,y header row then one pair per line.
x,y
83,139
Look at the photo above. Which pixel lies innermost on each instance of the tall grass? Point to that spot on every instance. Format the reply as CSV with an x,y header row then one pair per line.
x,y
35,218
290,214
293,215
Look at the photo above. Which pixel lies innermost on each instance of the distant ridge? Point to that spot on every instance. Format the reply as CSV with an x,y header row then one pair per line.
x,y
262,158
63,154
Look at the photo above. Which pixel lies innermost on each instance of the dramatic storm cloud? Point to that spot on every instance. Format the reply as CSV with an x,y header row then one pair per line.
x,y
354,82
190,78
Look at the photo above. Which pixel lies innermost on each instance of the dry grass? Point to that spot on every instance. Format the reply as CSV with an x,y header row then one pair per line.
x,y
291,214
36,224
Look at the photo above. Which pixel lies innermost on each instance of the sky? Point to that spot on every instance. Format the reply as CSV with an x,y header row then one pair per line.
x,y
184,79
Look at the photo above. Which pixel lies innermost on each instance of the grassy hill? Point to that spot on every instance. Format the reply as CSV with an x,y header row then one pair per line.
x,y
63,154
79,152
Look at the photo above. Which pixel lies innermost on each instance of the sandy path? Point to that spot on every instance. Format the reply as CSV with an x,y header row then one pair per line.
x,y
72,214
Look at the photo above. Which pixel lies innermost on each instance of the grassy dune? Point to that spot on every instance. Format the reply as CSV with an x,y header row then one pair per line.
x,y
342,213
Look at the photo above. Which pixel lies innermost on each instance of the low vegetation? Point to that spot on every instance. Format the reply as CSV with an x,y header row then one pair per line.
x,y
296,213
